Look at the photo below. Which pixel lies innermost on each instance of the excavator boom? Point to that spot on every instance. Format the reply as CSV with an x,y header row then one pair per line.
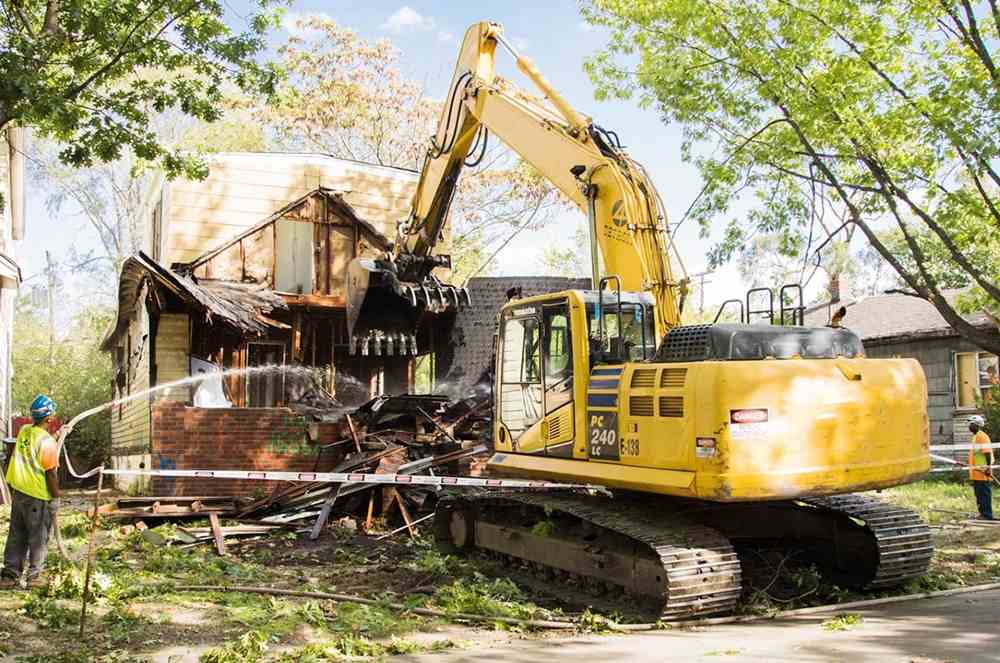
x,y
586,163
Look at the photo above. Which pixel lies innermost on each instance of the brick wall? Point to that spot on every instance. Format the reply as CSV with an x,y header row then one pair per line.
x,y
189,438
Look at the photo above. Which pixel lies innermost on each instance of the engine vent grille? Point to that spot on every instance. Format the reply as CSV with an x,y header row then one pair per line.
x,y
673,377
555,428
686,343
640,406
671,406
643,378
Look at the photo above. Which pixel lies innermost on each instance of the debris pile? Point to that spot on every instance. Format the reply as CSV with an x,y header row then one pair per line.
x,y
390,434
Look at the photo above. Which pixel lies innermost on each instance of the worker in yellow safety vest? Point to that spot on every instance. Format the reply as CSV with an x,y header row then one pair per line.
x,y
32,474
980,467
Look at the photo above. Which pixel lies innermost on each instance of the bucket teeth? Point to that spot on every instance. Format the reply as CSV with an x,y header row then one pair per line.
x,y
364,346
413,344
388,345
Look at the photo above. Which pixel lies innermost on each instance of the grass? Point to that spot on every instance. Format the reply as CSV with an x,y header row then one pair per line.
x,y
135,609
926,496
843,622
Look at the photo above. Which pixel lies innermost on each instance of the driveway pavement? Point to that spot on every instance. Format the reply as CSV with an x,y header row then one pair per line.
x,y
963,628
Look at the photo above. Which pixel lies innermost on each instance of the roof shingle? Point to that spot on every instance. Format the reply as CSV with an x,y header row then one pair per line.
x,y
885,317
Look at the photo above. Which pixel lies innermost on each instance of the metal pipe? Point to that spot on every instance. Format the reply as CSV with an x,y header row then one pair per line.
x,y
595,256
577,121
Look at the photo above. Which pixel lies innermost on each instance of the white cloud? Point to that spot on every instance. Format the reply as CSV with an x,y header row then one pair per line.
x,y
521,43
446,37
586,27
406,18
291,19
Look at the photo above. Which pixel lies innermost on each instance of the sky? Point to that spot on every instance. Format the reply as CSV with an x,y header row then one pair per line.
x,y
428,33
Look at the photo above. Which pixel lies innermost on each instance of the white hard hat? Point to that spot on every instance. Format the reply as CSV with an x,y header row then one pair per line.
x,y
978,420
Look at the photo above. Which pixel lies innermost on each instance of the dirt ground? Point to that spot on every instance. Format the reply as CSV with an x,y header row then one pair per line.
x,y
139,613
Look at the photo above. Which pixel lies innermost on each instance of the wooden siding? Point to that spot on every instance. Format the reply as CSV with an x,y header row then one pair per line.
x,y
243,189
130,420
172,347
303,253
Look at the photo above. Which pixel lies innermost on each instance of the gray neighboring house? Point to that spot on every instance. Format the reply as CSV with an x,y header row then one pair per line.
x,y
901,326
470,351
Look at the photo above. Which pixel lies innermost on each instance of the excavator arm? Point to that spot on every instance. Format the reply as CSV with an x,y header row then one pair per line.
x,y
586,163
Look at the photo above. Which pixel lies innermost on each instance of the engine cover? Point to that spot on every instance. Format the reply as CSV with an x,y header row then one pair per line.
x,y
735,342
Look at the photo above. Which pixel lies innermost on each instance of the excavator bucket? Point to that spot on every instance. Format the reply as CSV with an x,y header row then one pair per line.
x,y
384,310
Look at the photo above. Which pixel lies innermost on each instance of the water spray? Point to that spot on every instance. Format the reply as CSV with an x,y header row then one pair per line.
x,y
182,382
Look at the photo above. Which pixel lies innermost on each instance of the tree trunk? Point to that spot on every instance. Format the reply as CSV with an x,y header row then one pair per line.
x,y
50,271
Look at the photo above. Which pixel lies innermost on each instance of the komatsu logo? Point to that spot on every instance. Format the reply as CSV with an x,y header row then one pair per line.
x,y
617,217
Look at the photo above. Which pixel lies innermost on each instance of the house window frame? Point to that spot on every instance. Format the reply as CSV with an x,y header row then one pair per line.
x,y
979,384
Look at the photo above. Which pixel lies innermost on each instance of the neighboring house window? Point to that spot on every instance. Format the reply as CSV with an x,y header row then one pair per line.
x,y
975,372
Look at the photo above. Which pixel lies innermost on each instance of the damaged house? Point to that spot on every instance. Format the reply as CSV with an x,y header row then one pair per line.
x,y
243,270
246,270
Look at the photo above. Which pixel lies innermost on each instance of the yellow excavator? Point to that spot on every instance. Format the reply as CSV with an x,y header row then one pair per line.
x,y
711,436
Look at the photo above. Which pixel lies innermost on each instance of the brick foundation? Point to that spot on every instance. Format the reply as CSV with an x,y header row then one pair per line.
x,y
190,438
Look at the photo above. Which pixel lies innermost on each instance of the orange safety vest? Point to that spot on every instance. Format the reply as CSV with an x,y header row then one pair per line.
x,y
979,455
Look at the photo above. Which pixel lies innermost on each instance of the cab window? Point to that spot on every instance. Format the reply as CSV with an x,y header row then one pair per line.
x,y
520,374
635,341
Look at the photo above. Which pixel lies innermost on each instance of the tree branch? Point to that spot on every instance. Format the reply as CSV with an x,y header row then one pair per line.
x,y
955,252
984,54
50,25
75,90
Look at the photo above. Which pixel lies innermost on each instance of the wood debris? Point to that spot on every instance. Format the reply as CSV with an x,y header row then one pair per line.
x,y
389,434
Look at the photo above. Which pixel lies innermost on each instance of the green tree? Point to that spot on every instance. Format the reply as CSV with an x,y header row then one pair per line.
x,y
885,113
571,257
91,73
77,378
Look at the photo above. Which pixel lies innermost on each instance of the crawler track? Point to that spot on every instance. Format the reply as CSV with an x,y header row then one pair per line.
x,y
674,559
675,567
902,538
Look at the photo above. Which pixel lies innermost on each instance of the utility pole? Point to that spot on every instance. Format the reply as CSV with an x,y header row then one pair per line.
x,y
701,288
50,272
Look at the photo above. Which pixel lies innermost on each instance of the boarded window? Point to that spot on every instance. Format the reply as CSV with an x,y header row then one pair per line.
x,y
341,252
295,257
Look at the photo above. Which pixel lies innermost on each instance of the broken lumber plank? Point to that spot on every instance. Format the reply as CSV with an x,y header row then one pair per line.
x,y
406,526
220,543
436,425
125,515
371,508
324,514
396,498
354,433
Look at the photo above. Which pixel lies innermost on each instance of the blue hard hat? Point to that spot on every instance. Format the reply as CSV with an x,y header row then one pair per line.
x,y
42,407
